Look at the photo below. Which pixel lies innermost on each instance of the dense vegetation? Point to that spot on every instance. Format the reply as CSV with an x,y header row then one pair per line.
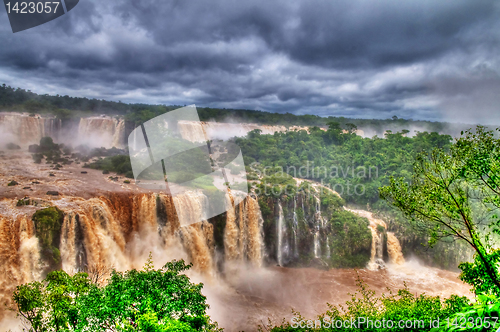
x,y
353,166
150,300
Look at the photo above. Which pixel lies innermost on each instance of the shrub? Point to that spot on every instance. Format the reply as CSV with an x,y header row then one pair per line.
x,y
148,300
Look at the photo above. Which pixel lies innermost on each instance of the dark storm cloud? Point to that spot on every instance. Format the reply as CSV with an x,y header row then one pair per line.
x,y
414,59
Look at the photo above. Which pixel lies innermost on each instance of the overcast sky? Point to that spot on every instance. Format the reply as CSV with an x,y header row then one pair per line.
x,y
435,60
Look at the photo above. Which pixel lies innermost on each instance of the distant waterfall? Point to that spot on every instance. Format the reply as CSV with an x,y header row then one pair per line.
x,y
319,224
26,129
280,230
295,228
102,132
376,257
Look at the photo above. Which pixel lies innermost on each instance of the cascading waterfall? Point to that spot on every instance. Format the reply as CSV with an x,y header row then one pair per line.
x,y
243,240
192,131
199,131
198,240
121,230
319,223
295,228
27,129
376,256
19,256
29,252
231,232
102,132
393,246
280,230
394,249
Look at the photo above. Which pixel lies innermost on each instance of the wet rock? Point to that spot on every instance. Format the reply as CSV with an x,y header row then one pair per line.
x,y
53,193
84,172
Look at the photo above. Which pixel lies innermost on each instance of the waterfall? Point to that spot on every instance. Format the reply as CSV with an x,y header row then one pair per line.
x,y
102,132
199,246
197,131
68,244
119,134
394,249
295,228
319,223
279,230
377,247
376,255
24,129
29,252
19,256
231,232
192,131
243,240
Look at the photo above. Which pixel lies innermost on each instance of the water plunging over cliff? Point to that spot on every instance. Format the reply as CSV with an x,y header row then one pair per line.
x,y
102,132
280,231
394,249
393,246
24,129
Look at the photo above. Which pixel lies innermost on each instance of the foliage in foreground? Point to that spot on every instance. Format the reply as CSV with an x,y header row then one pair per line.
x,y
365,311
147,300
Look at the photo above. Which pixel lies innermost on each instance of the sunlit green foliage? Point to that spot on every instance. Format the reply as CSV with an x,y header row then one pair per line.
x,y
147,300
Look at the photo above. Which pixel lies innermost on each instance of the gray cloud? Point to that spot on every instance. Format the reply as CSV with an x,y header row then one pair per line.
x,y
414,59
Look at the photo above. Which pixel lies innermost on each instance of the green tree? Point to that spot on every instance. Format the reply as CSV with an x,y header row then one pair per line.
x,y
147,300
51,305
